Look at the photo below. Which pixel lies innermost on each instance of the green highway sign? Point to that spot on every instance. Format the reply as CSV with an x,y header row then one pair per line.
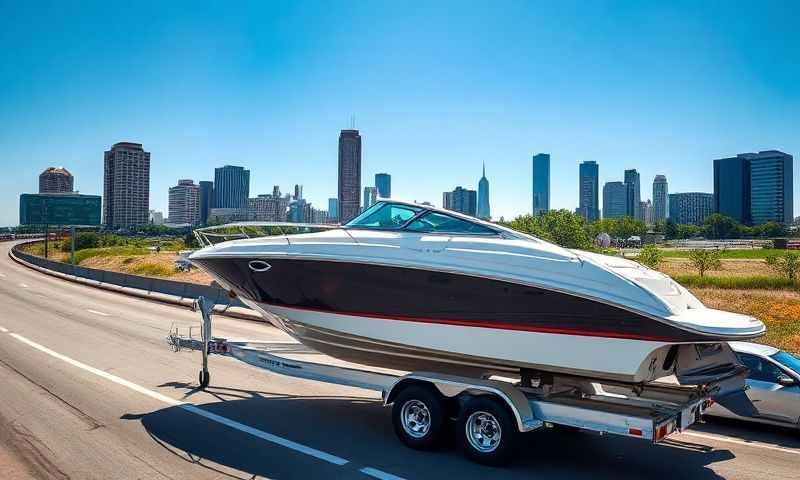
x,y
59,209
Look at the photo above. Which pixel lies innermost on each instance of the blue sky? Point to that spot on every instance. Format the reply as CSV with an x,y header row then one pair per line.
x,y
436,89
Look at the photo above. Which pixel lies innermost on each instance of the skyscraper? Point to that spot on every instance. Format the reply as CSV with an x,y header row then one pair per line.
x,y
231,187
755,188
370,197
633,194
588,191
206,200
298,192
646,212
541,183
461,200
660,192
614,200
333,209
349,175
690,208
771,185
126,185
184,203
383,182
56,180
484,210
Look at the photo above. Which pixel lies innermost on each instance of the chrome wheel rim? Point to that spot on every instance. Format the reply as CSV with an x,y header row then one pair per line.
x,y
416,418
483,432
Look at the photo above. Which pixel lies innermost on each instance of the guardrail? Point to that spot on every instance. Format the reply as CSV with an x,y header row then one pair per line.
x,y
125,280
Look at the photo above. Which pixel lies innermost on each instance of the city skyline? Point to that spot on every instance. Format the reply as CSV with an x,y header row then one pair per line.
x,y
221,91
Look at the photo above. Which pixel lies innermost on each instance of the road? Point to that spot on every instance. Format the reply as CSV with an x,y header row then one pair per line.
x,y
88,389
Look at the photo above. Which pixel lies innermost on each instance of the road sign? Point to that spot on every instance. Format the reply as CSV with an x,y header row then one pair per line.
x,y
59,209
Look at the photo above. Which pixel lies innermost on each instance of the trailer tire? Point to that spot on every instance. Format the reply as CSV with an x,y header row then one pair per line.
x,y
418,415
487,431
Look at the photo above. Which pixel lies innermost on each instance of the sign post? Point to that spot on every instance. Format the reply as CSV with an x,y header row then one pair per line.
x,y
72,242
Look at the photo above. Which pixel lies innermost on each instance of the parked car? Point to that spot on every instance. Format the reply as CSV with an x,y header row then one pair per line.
x,y
774,385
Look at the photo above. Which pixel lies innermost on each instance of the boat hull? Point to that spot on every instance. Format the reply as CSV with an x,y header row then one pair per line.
x,y
412,319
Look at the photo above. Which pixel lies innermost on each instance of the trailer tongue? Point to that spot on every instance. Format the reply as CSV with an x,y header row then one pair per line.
x,y
492,412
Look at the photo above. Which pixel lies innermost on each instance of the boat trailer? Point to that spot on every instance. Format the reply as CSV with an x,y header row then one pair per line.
x,y
491,412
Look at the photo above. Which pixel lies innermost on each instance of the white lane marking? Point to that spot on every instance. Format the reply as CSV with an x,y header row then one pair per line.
x,y
23,285
264,435
374,472
3,329
188,406
97,313
721,438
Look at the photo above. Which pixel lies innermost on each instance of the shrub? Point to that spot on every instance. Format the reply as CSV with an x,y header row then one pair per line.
x,y
151,269
703,260
736,283
650,256
787,264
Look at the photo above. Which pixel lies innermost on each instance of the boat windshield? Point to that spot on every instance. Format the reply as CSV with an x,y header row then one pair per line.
x,y
787,360
442,223
385,216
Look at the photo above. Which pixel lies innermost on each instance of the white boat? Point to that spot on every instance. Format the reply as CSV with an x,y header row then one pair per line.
x,y
413,287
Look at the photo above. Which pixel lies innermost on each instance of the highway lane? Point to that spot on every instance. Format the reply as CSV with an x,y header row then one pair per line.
x,y
88,389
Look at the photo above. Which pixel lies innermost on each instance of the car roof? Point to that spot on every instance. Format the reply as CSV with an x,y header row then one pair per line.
x,y
754,348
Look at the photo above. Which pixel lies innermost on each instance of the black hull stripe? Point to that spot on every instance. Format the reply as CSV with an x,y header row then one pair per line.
x,y
484,324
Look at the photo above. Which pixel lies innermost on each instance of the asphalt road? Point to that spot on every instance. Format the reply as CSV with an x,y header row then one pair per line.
x,y
88,389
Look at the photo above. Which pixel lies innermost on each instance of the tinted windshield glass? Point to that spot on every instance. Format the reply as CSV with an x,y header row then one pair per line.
x,y
787,360
438,222
384,216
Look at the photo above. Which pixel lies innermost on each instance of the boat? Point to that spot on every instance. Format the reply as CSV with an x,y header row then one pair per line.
x,y
412,287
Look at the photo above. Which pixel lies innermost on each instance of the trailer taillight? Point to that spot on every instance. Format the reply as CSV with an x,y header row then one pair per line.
x,y
664,430
635,431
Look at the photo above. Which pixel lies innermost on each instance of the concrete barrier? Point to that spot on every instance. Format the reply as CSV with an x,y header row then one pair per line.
x,y
158,289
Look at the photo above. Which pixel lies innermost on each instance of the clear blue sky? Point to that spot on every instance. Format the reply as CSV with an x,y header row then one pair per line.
x,y
436,90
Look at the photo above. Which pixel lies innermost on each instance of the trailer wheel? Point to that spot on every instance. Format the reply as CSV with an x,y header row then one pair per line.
x,y
204,379
418,416
488,431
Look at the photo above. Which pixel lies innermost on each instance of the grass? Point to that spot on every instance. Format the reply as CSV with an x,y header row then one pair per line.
x,y
738,283
152,270
87,253
749,254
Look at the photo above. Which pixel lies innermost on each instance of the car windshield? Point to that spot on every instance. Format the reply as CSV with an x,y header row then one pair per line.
x,y
788,360
385,216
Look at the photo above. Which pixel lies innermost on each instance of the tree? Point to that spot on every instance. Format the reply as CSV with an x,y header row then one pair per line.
x,y
562,227
704,259
772,229
650,256
671,228
787,264
721,226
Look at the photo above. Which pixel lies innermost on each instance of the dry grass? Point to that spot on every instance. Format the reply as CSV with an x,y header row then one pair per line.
x,y
780,310
160,265
730,268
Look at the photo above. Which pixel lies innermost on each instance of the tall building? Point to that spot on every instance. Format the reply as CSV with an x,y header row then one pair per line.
x,y
298,192
349,175
755,188
126,185
299,211
231,187
461,200
615,196
589,191
184,203
156,217
206,200
646,213
383,182
771,185
268,208
541,183
333,209
660,192
633,193
56,180
370,197
484,211
690,208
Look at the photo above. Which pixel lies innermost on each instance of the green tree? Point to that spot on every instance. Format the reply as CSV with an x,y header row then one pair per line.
x,y
670,228
650,256
705,259
562,227
721,226
787,264
772,229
